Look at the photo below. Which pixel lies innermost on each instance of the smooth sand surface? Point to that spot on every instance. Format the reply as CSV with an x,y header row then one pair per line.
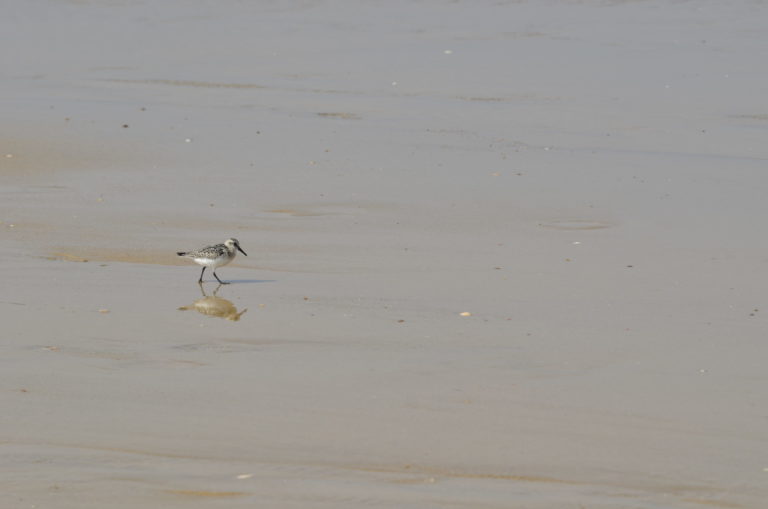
x,y
501,254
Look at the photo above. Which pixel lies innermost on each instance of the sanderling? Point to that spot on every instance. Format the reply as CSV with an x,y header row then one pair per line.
x,y
214,256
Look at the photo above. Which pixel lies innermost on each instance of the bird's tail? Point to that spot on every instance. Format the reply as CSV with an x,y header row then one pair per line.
x,y
181,253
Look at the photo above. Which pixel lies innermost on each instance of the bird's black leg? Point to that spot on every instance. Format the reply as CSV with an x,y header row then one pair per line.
x,y
219,280
201,276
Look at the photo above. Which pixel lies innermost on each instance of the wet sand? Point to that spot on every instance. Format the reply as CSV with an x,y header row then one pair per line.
x,y
501,254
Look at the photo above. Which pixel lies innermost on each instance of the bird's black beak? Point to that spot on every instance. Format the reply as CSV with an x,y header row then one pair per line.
x,y
239,249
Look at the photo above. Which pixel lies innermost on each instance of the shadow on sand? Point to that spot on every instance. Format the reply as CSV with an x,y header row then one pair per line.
x,y
211,305
242,281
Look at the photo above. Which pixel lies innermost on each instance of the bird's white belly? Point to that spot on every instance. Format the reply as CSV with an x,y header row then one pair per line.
x,y
212,262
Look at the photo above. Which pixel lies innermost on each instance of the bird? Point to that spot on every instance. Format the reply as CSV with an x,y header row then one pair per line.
x,y
214,256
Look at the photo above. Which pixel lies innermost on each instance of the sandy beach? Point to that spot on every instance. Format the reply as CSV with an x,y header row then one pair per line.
x,y
500,254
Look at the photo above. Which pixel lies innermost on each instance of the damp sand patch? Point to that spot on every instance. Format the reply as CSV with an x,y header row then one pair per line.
x,y
149,257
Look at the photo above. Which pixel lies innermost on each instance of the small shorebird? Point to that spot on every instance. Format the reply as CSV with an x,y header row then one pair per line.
x,y
214,256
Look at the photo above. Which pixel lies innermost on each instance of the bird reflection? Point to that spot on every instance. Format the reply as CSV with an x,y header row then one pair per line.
x,y
211,305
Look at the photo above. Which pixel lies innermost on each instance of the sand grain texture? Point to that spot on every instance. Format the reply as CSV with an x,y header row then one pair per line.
x,y
501,255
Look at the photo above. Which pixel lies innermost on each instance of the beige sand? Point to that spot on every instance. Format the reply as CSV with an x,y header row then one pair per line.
x,y
501,255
